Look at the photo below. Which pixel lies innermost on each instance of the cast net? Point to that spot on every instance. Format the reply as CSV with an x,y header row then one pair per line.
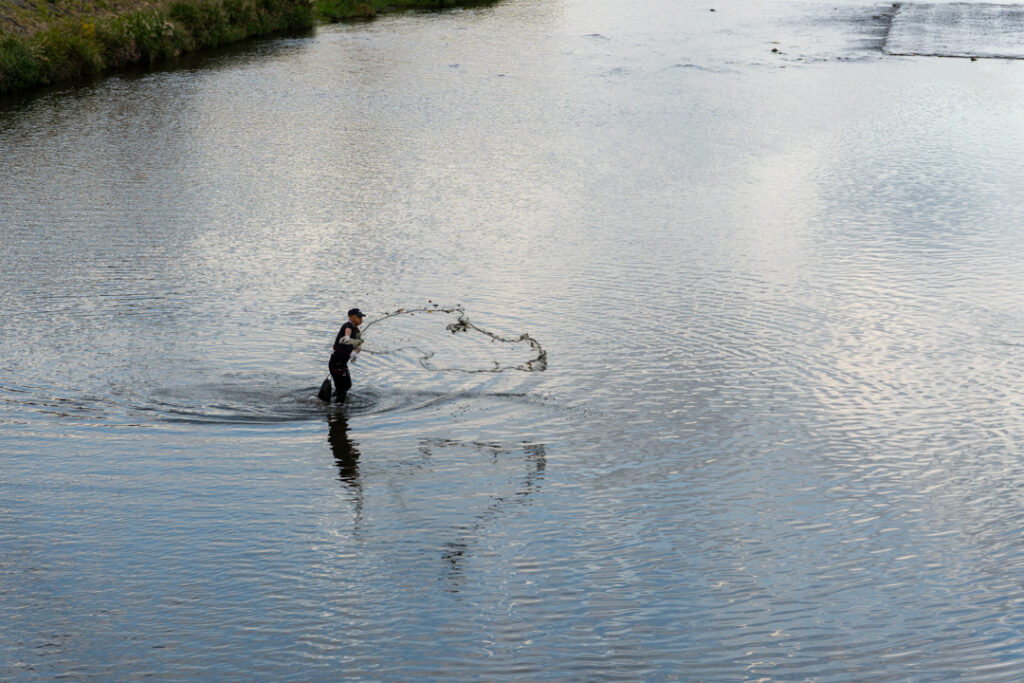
x,y
444,339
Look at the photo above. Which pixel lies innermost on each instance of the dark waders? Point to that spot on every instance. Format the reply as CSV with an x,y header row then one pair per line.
x,y
338,365
339,373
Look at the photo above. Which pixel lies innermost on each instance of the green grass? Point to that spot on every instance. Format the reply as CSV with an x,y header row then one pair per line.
x,y
19,68
73,47
347,10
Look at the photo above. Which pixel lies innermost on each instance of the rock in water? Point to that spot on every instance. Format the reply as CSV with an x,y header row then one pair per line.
x,y
325,391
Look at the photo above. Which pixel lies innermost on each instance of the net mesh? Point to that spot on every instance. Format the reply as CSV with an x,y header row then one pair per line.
x,y
444,339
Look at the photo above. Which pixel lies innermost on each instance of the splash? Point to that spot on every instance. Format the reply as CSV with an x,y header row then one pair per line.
x,y
538,362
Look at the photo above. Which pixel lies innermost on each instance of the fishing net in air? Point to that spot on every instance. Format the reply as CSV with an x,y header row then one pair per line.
x,y
444,339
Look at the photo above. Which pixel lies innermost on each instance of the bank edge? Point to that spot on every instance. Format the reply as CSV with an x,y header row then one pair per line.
x,y
92,42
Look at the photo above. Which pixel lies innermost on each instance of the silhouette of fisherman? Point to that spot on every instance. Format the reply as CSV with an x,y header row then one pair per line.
x,y
346,350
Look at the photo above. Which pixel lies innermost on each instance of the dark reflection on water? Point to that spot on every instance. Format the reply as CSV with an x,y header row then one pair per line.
x,y
345,450
457,550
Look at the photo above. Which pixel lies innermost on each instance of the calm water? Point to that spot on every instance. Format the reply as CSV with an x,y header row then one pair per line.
x,y
779,436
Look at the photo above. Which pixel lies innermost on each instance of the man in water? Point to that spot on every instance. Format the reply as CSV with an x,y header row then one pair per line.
x,y
346,349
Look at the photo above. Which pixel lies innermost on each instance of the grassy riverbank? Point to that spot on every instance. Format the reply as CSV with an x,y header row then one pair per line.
x,y
48,41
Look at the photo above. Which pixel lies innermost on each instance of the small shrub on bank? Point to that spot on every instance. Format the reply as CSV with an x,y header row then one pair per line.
x,y
18,67
345,10
340,10
206,22
66,51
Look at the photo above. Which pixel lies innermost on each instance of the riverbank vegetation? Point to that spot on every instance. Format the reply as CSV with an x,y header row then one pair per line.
x,y
48,41
56,41
347,10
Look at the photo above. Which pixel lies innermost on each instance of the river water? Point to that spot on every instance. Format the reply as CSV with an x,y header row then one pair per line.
x,y
776,273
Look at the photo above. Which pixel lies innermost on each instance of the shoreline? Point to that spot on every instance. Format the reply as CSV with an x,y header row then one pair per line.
x,y
45,43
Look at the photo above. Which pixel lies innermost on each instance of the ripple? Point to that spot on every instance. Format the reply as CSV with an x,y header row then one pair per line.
x,y
231,403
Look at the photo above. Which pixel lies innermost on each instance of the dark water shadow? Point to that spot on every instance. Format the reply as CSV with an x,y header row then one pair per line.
x,y
231,401
246,406
209,59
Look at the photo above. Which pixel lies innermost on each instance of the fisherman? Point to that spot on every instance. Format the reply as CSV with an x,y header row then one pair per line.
x,y
346,349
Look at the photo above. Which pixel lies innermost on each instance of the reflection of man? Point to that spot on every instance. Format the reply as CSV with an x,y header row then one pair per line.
x,y
346,350
346,455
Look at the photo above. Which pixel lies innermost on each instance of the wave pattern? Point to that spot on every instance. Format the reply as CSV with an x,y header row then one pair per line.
x,y
778,437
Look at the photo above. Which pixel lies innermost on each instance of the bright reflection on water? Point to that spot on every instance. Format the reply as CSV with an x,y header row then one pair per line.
x,y
778,438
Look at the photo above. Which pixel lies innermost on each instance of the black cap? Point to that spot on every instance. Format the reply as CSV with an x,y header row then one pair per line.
x,y
356,311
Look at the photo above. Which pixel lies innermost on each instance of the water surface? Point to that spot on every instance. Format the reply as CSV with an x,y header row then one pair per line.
x,y
776,273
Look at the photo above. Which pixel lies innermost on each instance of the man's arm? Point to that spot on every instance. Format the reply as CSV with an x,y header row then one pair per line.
x,y
355,347
347,330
